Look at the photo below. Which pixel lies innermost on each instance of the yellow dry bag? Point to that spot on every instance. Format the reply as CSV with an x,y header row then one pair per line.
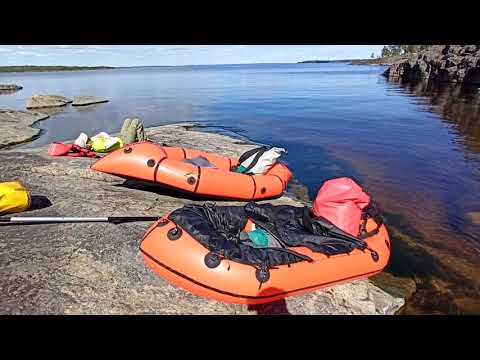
x,y
103,142
13,198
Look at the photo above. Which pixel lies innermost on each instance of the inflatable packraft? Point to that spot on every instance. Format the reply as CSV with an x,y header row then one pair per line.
x,y
172,167
198,248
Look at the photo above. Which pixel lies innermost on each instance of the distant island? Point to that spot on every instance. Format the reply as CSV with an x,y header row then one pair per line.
x,y
322,61
393,54
32,68
376,61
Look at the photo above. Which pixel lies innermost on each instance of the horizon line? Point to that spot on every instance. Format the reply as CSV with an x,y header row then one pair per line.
x,y
136,66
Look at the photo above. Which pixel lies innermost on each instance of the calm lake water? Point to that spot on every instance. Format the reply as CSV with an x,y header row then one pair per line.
x,y
416,149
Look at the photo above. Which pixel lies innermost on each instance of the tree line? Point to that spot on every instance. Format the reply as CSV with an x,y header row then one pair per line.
x,y
32,68
392,50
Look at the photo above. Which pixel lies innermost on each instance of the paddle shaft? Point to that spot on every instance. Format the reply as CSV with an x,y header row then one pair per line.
x,y
59,220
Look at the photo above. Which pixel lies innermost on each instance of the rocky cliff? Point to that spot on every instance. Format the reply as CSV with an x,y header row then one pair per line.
x,y
442,63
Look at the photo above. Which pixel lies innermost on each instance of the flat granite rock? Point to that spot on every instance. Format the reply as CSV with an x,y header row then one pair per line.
x,y
98,269
87,100
46,101
10,87
15,126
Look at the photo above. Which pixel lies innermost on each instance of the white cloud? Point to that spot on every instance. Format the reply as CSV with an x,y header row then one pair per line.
x,y
125,55
30,53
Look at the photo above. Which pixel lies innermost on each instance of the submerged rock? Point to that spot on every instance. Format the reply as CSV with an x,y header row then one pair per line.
x,y
87,108
87,100
97,268
474,217
46,101
15,126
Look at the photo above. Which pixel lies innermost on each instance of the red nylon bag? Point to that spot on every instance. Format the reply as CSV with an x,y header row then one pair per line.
x,y
73,150
341,201
59,149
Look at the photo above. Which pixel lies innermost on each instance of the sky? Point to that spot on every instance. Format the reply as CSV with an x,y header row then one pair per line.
x,y
148,55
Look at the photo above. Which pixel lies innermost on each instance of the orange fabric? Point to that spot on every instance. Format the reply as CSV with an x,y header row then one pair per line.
x,y
152,162
181,262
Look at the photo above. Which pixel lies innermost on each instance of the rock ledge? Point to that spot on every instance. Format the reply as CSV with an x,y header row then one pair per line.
x,y
87,100
10,87
47,101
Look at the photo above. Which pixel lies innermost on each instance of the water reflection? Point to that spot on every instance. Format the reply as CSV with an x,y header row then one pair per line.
x,y
87,108
8,91
457,105
441,251
50,110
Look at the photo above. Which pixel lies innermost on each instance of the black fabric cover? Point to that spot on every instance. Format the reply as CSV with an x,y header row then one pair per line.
x,y
289,225
218,229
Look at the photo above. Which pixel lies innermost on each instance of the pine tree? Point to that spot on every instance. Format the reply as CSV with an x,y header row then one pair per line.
x,y
385,52
395,50
372,56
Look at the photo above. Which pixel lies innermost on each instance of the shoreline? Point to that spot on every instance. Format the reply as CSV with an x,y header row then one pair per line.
x,y
48,69
74,273
34,68
21,136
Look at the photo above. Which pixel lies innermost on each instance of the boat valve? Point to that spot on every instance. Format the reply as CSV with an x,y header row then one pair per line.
x,y
212,260
174,233
262,274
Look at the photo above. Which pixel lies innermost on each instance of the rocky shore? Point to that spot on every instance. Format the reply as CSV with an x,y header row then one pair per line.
x,y
15,126
97,268
440,63
87,100
379,61
47,101
10,87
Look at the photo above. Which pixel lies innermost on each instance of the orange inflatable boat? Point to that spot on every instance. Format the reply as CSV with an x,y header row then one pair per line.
x,y
164,165
175,254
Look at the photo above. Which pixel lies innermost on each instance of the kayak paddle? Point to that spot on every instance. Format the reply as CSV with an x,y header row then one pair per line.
x,y
55,220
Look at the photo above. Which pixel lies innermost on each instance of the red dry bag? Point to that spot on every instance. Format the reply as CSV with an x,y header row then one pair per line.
x,y
61,149
341,201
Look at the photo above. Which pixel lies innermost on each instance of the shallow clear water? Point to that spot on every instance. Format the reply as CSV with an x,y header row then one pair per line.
x,y
416,149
